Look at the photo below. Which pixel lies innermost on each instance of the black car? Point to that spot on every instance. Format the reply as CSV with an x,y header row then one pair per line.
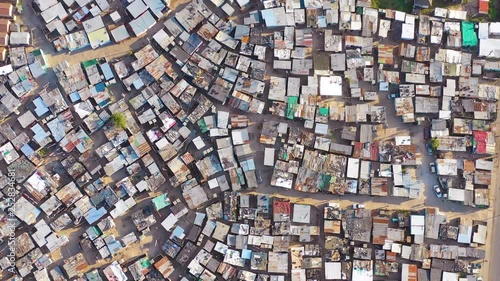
x,y
427,133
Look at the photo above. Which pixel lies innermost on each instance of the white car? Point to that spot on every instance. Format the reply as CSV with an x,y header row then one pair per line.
x,y
438,192
433,167
358,206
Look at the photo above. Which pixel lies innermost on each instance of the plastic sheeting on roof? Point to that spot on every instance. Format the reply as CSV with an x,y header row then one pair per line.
x,y
161,202
469,36
94,214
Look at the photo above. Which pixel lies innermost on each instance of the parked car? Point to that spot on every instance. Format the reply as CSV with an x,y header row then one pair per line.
x,y
393,96
438,192
358,206
429,149
258,176
427,133
433,167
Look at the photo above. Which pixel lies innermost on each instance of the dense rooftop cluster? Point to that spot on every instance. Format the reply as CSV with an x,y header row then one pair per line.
x,y
181,140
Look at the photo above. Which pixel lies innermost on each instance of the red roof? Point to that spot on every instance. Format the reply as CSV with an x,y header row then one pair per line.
x,y
6,10
4,25
358,146
374,151
480,140
483,6
281,207
4,39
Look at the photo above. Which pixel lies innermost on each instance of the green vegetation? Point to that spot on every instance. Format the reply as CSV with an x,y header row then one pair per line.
x,y
479,18
19,7
434,143
119,120
43,152
493,13
333,136
444,4
400,5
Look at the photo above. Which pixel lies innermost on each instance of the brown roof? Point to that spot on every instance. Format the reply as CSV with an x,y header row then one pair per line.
x,y
6,9
4,39
469,166
4,25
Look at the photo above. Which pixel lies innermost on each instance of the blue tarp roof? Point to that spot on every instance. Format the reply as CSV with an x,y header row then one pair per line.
x,y
322,21
39,133
248,165
40,107
193,42
56,127
27,150
114,246
100,87
246,254
156,6
74,97
268,16
178,232
106,70
94,214
241,31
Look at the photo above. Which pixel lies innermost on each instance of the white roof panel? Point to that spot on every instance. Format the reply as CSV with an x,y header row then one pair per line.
x,y
136,8
333,270
93,24
45,4
156,7
489,48
269,156
163,39
120,33
56,11
483,30
353,168
408,31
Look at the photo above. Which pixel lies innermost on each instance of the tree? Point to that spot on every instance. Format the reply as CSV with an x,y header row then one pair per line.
x,y
434,143
119,120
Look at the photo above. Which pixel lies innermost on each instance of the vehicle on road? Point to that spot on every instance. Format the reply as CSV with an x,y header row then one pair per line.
x,y
429,149
358,206
258,176
393,96
432,165
438,192
427,133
